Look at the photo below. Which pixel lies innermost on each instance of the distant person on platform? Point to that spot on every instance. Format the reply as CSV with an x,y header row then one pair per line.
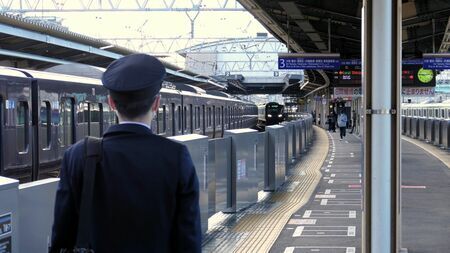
x,y
332,122
146,191
342,124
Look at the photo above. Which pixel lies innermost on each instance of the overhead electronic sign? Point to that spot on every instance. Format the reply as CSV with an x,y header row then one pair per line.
x,y
417,76
309,61
436,61
349,73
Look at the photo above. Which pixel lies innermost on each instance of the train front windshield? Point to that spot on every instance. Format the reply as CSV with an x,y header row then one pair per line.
x,y
274,109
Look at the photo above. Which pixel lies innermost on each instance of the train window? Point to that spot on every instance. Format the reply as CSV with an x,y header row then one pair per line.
x,y
22,124
442,113
161,119
172,111
101,120
83,113
94,119
225,118
179,118
209,117
191,119
197,117
214,122
229,117
203,120
218,123
108,114
66,116
436,113
185,115
45,125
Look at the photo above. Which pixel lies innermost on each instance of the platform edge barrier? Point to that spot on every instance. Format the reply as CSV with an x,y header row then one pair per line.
x,y
36,208
243,155
198,148
9,212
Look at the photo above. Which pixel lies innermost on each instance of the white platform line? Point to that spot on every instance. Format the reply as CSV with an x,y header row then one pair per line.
x,y
351,231
298,231
291,250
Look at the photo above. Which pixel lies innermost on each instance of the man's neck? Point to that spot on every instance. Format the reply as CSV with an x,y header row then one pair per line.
x,y
145,119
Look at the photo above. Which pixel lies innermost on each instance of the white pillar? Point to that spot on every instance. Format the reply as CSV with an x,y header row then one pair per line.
x,y
381,89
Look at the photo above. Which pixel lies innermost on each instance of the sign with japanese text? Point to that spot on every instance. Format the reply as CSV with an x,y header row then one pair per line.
x,y
309,61
436,61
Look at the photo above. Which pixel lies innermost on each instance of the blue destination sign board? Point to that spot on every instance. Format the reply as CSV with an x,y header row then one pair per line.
x,y
436,61
351,62
309,61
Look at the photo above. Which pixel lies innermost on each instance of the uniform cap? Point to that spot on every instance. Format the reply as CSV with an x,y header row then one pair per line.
x,y
133,73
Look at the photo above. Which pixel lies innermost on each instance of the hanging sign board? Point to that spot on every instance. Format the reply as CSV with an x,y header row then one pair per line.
x,y
436,61
417,92
309,61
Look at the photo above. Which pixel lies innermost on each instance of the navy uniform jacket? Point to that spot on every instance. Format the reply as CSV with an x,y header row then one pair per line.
x,y
146,195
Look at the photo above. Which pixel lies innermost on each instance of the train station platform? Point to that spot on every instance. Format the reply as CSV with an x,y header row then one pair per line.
x,y
425,197
319,208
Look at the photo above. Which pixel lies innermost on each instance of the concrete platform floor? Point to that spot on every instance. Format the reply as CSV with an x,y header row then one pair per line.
x,y
319,207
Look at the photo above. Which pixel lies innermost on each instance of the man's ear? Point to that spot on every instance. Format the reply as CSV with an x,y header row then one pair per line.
x,y
111,103
156,103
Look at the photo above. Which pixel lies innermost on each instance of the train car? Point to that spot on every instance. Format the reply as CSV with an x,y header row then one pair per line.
x,y
427,110
274,113
44,113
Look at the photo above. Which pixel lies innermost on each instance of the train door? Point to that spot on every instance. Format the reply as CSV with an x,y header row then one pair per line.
x,y
16,129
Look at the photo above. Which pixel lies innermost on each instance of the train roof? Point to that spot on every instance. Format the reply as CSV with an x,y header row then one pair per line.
x,y
78,69
218,93
48,76
94,79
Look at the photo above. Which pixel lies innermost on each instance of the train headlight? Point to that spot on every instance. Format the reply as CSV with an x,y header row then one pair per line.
x,y
269,115
280,115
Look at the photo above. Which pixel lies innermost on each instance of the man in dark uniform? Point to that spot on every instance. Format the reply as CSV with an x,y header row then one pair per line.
x,y
146,192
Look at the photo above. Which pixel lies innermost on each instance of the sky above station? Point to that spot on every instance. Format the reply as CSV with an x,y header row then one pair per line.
x,y
159,32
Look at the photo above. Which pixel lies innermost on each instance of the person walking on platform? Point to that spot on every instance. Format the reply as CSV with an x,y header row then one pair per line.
x,y
342,124
143,193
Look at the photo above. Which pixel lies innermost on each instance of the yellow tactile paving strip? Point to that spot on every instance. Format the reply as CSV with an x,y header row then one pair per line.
x,y
264,229
437,152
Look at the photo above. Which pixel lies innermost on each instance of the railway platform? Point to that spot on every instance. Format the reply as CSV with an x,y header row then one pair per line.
x,y
319,207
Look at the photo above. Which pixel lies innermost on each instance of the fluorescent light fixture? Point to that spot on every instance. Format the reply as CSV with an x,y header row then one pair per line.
x,y
106,47
303,86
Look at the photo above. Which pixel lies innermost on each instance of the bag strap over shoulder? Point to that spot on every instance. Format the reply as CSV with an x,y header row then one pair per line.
x,y
93,155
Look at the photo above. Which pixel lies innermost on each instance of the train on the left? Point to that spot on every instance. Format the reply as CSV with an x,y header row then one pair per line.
x,y
43,113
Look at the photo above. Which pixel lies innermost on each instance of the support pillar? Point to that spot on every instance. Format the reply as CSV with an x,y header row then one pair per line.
x,y
381,88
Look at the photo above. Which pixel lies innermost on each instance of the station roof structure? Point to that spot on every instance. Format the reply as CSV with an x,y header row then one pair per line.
x,y
247,65
310,26
38,45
